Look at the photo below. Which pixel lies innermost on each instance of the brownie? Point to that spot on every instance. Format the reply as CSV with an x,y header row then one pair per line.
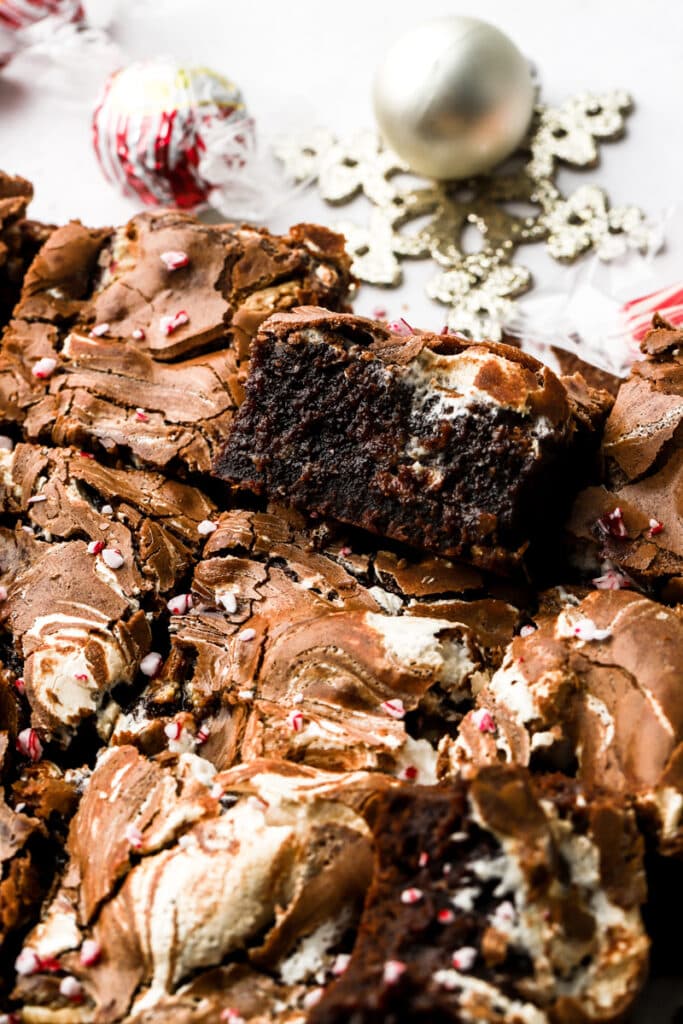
x,y
190,890
503,899
88,556
594,691
131,342
627,531
20,240
297,645
467,449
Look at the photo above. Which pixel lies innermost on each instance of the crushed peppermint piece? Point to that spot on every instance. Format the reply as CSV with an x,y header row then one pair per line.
x,y
613,524
86,455
174,259
228,600
312,998
99,330
133,835
173,730
141,415
340,963
346,551
295,721
423,859
19,684
180,604
150,664
246,634
400,326
6,443
527,630
232,1016
107,510
81,676
463,959
139,334
71,988
587,630
379,313
28,962
203,733
655,527
298,698
44,368
206,527
611,579
245,694
411,896
91,951
484,720
393,969
28,529
503,915
169,324
394,708
445,916
95,546
36,499
216,790
409,773
28,744
112,557
3,593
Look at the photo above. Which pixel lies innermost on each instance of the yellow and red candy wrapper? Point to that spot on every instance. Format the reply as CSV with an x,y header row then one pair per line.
x,y
18,17
159,127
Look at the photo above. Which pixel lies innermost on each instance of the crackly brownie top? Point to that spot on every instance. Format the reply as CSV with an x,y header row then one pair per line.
x,y
88,552
241,888
130,341
633,521
298,645
470,917
452,445
20,240
596,690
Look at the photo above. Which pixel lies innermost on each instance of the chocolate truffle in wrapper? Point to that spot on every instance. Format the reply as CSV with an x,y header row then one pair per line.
x,y
155,123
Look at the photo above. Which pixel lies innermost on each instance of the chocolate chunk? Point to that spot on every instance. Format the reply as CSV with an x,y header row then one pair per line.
x,y
20,240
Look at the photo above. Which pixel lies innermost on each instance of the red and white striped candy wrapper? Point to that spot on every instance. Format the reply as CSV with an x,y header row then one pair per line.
x,y
638,313
17,17
158,122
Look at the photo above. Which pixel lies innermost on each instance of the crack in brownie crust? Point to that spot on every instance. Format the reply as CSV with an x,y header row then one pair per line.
x,y
115,348
458,447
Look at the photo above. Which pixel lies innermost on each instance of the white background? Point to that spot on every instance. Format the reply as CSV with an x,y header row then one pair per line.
x,y
311,62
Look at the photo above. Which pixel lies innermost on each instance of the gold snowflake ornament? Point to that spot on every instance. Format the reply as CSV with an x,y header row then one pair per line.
x,y
479,287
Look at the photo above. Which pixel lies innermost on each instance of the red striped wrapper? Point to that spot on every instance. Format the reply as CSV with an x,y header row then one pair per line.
x,y
638,313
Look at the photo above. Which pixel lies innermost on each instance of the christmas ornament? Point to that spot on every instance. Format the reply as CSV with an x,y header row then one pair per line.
x,y
17,18
479,287
170,135
453,97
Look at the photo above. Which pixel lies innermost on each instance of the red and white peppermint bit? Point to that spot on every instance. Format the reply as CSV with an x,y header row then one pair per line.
x,y
216,791
28,744
639,312
133,835
150,664
463,959
409,773
141,415
174,259
295,721
81,676
393,969
44,368
312,998
180,604
379,313
504,913
169,324
655,527
112,557
174,730
611,579
298,698
246,635
206,527
410,896
229,601
341,962
91,953
36,499
613,524
86,455
95,546
484,720
587,630
139,334
28,962
527,630
203,733
400,326
423,859
445,916
394,708
233,1016
346,551
19,685
246,694
3,594
6,443
10,1018
71,988
99,330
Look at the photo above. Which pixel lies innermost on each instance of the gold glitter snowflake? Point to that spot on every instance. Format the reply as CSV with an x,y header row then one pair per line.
x,y
479,287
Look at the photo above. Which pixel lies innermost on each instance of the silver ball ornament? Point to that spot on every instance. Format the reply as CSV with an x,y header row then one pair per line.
x,y
453,97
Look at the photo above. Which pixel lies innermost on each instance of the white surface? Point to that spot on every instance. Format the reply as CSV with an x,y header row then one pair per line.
x,y
311,62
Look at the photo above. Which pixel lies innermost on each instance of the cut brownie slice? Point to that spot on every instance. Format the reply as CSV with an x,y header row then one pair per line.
x,y
595,690
130,341
20,240
464,448
302,647
504,900
240,889
92,553
630,529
